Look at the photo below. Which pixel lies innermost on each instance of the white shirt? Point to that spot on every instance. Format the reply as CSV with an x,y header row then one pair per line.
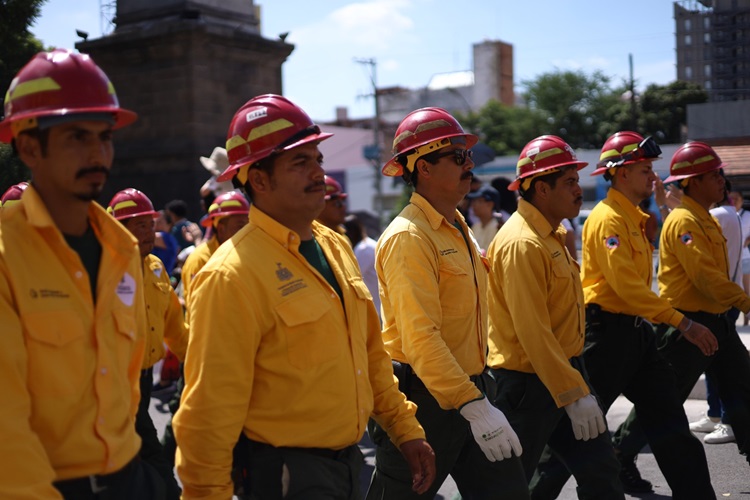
x,y
484,234
365,254
745,218
729,220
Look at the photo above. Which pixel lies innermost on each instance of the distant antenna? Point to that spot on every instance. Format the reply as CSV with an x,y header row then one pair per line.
x,y
107,13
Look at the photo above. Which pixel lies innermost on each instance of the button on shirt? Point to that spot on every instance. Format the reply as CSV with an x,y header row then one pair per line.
x,y
693,270
434,291
618,262
69,370
536,313
280,356
166,322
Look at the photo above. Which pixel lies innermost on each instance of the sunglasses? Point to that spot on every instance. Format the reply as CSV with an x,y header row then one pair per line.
x,y
459,156
337,202
646,149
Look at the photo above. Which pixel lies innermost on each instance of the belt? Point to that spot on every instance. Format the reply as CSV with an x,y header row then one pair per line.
x,y
96,483
407,379
594,312
318,452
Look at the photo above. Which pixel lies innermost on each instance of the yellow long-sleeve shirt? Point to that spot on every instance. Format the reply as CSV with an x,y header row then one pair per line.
x,y
536,309
166,321
618,262
69,368
280,356
195,263
693,263
434,301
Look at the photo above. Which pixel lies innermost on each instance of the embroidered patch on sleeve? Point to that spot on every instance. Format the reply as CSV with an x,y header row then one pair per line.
x,y
612,242
686,238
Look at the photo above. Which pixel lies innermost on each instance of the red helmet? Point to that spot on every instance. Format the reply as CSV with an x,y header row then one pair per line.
x,y
13,194
626,148
130,203
265,125
691,159
58,84
231,203
334,189
544,154
423,131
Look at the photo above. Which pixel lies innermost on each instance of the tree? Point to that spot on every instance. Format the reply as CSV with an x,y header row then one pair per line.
x,y
505,129
664,109
573,103
17,46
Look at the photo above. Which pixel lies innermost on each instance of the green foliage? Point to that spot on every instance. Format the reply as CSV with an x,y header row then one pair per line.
x,y
17,44
505,129
664,109
12,170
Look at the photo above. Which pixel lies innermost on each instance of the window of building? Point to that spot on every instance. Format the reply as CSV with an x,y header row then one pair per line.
x,y
707,85
707,70
688,72
687,25
706,37
688,40
706,22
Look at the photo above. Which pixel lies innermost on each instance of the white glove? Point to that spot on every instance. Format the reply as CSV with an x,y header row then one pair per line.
x,y
586,418
491,430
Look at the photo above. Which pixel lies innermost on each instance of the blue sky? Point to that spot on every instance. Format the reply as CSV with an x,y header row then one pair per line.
x,y
415,39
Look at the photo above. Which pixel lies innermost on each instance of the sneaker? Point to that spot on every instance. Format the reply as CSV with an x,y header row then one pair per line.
x,y
631,479
722,434
706,424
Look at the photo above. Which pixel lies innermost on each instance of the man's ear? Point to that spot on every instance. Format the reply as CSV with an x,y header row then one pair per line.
x,y
29,150
423,167
259,180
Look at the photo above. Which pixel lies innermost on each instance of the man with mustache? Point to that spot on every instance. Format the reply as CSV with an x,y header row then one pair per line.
x,y
542,384
285,347
72,305
166,322
433,283
620,350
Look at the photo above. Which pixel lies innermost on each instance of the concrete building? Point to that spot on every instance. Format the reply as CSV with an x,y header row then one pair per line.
x,y
184,66
713,46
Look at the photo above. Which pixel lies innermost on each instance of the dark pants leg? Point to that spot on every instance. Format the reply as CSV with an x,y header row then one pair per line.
x,y
168,441
456,453
622,358
151,450
729,368
537,420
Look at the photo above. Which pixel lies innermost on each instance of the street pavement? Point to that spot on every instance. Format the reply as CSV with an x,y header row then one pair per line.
x,y
729,470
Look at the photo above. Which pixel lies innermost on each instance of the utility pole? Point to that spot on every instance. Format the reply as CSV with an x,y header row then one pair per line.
x,y
633,109
372,152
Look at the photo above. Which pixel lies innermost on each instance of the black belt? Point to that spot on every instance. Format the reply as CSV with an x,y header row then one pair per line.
x,y
318,452
408,380
96,483
595,313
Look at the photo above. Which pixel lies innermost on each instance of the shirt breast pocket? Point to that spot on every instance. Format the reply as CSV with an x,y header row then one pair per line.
x,y
457,291
59,353
562,286
308,342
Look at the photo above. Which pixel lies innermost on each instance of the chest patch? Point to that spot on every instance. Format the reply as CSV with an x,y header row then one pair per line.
x,y
126,289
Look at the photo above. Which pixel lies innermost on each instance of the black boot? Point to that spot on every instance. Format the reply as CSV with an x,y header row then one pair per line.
x,y
631,479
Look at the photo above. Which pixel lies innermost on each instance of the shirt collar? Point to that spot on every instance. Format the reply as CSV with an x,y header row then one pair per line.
x,y
690,204
434,217
631,211
535,219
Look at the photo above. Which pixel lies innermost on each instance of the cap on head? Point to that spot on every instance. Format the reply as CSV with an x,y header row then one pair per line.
x,y
692,159
333,188
57,87
13,194
625,148
487,193
543,156
421,132
130,203
231,203
265,125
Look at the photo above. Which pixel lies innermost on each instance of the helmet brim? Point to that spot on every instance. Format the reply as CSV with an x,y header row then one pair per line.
x,y
123,118
676,178
393,167
516,184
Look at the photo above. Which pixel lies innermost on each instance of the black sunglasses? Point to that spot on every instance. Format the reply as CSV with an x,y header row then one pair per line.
x,y
459,156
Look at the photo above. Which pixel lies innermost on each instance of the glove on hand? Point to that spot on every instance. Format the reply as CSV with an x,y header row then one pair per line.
x,y
491,430
586,418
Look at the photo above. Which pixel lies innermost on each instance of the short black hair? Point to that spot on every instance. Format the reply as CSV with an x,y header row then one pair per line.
x,y
41,135
177,207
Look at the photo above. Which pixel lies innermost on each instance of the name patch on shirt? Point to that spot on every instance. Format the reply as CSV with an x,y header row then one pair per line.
x,y
448,251
47,294
126,289
612,242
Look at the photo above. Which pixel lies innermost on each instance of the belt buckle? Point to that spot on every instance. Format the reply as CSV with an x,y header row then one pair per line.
x,y
96,488
638,322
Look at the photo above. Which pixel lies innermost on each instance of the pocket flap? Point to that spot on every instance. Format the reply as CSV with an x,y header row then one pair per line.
x,y
53,327
303,309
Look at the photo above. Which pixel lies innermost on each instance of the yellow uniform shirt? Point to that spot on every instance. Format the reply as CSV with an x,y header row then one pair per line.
x,y
693,263
166,322
195,263
280,356
69,369
536,309
618,262
434,301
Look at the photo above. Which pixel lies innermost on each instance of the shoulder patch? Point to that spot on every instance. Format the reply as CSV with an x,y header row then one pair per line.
x,y
612,242
686,238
